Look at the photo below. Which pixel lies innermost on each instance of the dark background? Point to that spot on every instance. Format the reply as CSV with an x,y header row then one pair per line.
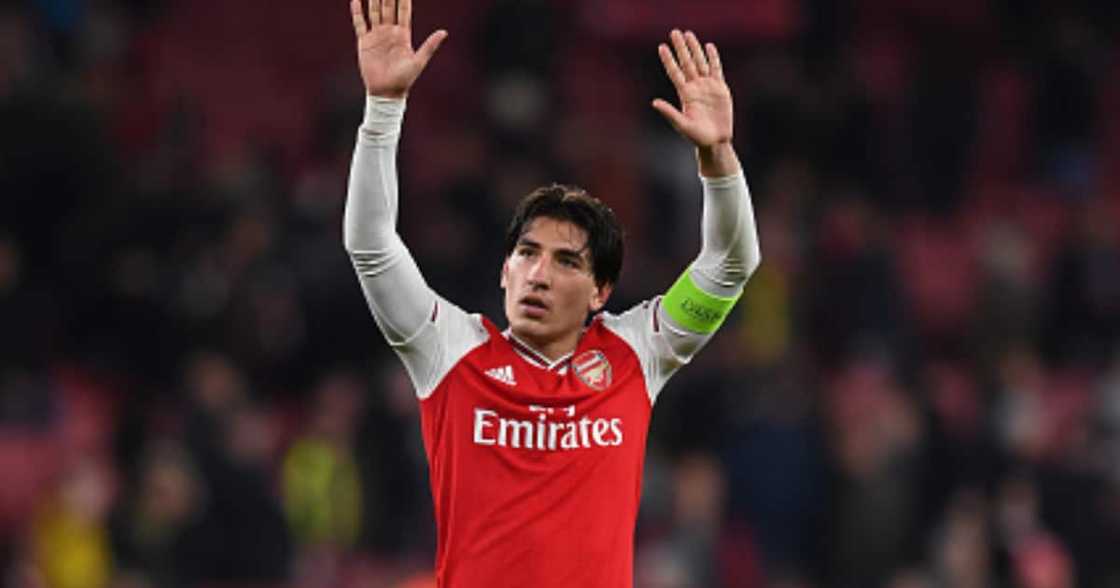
x,y
920,387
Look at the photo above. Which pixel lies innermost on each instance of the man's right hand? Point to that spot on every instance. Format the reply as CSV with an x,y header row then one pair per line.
x,y
387,61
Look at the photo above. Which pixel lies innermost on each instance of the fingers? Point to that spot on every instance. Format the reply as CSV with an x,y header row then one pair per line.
x,y
692,60
388,11
431,44
675,117
684,56
360,24
713,60
374,12
671,68
697,53
404,13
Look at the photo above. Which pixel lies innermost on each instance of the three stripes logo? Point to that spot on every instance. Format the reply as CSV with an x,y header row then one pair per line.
x,y
503,374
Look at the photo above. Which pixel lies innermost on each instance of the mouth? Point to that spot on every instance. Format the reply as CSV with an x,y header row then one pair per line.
x,y
533,306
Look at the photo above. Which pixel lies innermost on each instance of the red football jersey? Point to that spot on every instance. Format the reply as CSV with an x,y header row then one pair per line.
x,y
535,464
535,467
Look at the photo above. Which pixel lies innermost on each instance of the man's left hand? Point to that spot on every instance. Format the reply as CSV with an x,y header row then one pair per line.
x,y
705,116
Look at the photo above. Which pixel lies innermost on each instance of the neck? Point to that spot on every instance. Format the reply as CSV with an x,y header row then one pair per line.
x,y
551,350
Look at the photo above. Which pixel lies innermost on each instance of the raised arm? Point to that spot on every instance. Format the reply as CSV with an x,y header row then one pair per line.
x,y
667,334
415,321
697,303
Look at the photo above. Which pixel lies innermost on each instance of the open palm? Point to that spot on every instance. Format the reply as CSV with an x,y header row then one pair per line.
x,y
706,113
387,61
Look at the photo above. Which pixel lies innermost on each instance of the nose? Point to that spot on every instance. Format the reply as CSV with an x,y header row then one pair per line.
x,y
538,274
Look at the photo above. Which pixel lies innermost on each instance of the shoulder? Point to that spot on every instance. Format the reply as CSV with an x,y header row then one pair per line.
x,y
460,331
634,325
450,335
645,332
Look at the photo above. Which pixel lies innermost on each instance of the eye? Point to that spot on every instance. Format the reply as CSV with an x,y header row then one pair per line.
x,y
526,251
569,262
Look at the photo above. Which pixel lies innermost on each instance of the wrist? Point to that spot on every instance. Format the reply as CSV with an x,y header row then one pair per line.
x,y
383,117
718,160
387,94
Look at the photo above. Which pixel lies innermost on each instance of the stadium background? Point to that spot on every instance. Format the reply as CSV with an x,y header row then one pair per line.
x,y
920,388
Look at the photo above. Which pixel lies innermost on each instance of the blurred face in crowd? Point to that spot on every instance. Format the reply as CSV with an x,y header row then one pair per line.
x,y
550,285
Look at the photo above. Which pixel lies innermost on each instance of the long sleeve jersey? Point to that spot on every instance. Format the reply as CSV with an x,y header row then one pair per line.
x,y
535,463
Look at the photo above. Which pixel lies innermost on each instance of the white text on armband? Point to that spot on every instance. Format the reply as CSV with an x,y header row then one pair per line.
x,y
490,428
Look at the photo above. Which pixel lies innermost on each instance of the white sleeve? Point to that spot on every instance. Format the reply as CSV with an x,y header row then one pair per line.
x,y
429,333
644,331
729,253
728,256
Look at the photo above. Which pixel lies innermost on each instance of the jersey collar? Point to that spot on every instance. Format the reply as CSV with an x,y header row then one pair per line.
x,y
535,357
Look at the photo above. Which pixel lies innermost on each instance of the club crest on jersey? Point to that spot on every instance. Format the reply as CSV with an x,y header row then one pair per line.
x,y
593,369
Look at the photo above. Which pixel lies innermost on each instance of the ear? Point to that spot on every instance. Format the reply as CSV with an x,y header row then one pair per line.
x,y
599,297
505,274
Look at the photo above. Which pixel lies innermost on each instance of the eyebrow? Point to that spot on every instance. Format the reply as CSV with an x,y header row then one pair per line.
x,y
560,252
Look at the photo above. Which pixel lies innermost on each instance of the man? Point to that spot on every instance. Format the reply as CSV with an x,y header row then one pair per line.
x,y
535,435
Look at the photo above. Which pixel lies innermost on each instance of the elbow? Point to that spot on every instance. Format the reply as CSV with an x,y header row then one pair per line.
x,y
745,266
733,271
357,238
742,274
349,228
359,241
752,261
750,252
349,242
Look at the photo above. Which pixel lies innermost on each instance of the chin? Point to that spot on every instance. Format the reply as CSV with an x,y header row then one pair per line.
x,y
523,327
533,331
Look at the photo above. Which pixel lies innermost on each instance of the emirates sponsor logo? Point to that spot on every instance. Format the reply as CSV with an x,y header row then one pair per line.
x,y
503,374
546,432
593,369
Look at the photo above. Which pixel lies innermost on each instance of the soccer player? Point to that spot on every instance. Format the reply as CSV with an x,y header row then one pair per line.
x,y
535,435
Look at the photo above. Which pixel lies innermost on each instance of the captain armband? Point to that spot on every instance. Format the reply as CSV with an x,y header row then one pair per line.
x,y
695,309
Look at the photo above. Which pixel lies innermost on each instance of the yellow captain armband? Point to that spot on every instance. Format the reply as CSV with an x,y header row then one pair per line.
x,y
695,309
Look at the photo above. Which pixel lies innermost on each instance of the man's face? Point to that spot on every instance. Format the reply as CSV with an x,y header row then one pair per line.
x,y
549,285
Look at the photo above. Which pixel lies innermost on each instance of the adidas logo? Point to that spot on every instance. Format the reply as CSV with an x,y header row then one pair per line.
x,y
503,374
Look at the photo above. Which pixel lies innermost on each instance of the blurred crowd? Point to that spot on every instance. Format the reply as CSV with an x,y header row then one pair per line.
x,y
919,389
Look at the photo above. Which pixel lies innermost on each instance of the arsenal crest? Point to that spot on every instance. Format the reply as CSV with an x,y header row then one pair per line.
x,y
593,369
